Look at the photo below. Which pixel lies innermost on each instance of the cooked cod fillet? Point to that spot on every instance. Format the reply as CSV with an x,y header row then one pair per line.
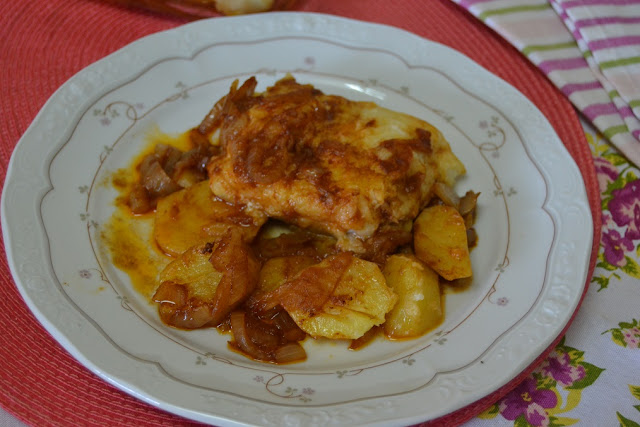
x,y
350,169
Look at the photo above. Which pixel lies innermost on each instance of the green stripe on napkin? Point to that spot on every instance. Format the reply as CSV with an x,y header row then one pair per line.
x,y
513,9
544,47
620,62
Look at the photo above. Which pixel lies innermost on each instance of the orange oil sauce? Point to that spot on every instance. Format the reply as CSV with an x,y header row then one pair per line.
x,y
129,237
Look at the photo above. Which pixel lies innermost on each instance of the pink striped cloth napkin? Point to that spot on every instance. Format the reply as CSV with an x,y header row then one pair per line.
x,y
590,49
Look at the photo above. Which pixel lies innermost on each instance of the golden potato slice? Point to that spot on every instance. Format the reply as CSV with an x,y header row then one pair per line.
x,y
419,307
440,241
187,285
193,270
277,271
193,215
207,282
342,297
337,322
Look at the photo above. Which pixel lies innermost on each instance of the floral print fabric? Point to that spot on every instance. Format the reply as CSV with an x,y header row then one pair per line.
x,y
591,377
551,391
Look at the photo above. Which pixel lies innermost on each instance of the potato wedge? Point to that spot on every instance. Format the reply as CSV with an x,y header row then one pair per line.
x,y
342,297
193,215
440,241
419,306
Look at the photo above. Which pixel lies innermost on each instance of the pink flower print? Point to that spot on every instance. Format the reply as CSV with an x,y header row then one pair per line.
x,y
631,338
558,366
607,221
615,246
632,342
536,415
605,172
527,400
625,208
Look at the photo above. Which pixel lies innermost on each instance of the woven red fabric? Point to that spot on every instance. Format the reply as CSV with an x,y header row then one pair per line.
x,y
45,42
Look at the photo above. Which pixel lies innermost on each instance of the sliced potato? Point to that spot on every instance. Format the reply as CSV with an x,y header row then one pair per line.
x,y
207,282
193,216
337,322
440,241
342,297
193,270
277,271
186,288
419,306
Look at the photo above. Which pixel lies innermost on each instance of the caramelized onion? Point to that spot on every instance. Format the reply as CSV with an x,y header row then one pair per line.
x,y
168,170
192,317
292,352
358,343
264,340
468,203
472,237
384,242
171,293
242,339
240,268
288,327
139,200
446,194
225,104
294,242
167,156
264,335
238,329
460,284
156,180
188,317
191,166
177,310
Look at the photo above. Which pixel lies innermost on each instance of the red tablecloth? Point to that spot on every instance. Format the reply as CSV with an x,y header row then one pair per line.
x,y
43,43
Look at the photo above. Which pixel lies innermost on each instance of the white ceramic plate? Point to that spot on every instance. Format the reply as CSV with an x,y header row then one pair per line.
x,y
530,266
